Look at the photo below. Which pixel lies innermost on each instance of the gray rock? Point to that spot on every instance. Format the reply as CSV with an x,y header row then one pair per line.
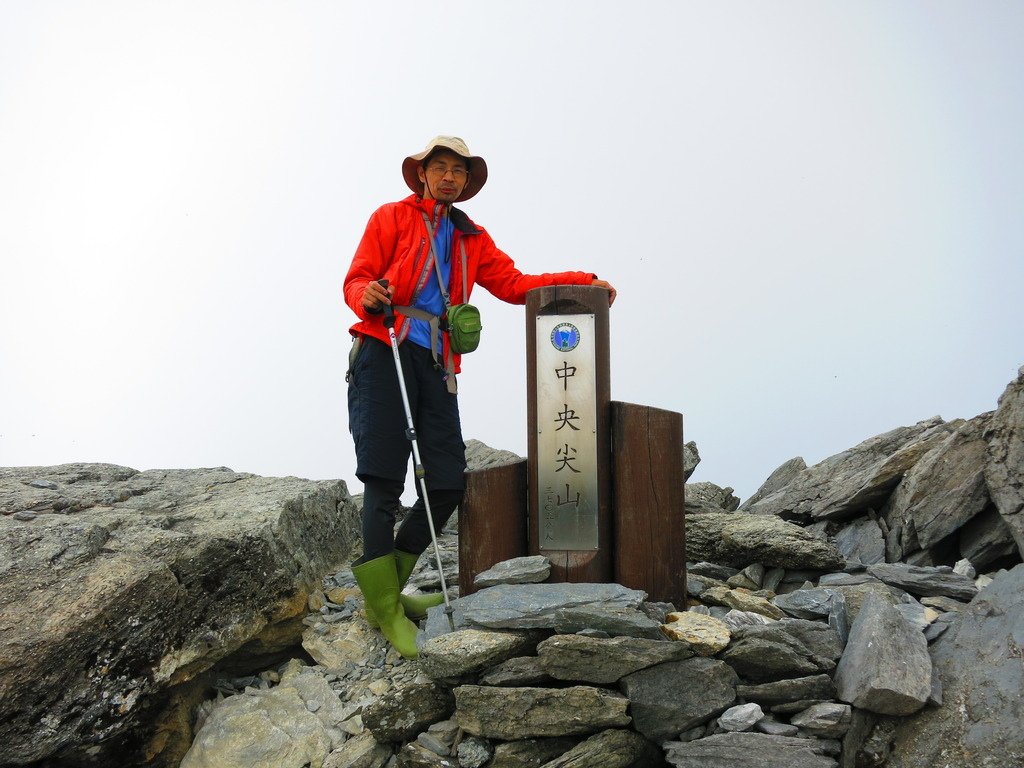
x,y
978,661
611,620
792,707
772,578
747,750
415,755
735,619
721,573
270,727
146,580
987,538
917,615
854,595
848,484
530,753
924,581
474,752
469,651
784,691
774,651
1005,458
539,606
742,717
938,627
808,603
774,728
657,611
481,456
518,570
711,495
434,744
777,480
524,670
405,710
862,541
943,604
671,698
614,748
946,488
362,751
739,539
827,721
861,725
522,713
591,660
750,577
741,600
964,568
885,667
691,458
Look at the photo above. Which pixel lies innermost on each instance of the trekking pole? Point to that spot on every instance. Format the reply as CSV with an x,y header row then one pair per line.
x,y
410,432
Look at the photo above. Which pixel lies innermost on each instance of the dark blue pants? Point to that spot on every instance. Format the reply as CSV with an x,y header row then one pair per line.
x,y
378,425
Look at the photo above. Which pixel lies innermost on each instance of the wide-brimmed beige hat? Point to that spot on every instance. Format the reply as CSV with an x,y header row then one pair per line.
x,y
477,166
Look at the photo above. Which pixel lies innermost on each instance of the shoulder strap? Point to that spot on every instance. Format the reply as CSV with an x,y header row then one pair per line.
x,y
437,267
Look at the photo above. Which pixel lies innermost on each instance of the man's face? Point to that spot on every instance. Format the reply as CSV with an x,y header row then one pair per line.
x,y
444,175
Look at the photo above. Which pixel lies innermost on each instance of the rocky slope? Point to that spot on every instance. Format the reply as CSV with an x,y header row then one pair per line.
x,y
835,618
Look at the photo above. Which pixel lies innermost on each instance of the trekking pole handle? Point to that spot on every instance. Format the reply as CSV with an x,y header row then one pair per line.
x,y
389,312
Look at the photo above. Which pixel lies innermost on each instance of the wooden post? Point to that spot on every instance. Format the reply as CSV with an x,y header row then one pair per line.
x,y
492,520
649,522
577,539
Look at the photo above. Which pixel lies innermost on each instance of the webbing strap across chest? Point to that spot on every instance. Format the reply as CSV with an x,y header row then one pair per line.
x,y
433,321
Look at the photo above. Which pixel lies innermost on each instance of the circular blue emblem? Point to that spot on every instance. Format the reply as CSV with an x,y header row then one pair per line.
x,y
565,337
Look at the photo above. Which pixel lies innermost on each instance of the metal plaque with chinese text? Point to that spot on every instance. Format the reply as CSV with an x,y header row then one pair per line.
x,y
566,432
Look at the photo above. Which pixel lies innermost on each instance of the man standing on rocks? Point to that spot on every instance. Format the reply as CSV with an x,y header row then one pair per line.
x,y
421,246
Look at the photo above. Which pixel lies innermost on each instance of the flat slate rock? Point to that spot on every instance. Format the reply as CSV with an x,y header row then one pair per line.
x,y
522,713
604,661
536,606
519,570
925,581
747,750
793,689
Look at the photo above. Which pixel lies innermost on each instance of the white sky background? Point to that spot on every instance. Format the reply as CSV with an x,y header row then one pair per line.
x,y
812,212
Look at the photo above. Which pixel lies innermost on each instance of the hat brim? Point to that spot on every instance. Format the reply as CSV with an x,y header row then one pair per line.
x,y
477,172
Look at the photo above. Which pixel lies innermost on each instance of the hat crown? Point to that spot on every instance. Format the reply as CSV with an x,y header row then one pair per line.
x,y
454,143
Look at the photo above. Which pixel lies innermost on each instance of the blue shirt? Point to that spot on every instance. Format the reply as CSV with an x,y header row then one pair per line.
x,y
430,299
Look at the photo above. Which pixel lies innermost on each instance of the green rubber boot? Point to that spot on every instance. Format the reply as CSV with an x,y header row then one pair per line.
x,y
415,605
378,580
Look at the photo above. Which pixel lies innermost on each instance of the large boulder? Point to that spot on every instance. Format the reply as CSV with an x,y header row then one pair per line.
x,y
944,490
848,484
118,586
980,663
885,667
741,539
777,480
1004,465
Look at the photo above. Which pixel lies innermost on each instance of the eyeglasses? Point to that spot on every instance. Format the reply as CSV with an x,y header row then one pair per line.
x,y
441,170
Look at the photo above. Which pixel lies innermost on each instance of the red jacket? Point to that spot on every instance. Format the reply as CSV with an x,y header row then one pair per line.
x,y
395,247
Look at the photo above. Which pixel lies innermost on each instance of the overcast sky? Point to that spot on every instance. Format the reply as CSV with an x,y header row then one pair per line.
x,y
812,212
